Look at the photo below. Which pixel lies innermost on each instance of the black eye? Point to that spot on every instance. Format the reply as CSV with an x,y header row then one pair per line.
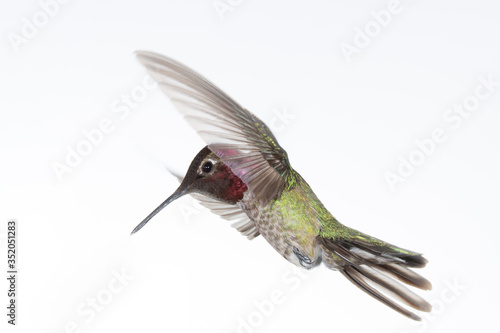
x,y
207,167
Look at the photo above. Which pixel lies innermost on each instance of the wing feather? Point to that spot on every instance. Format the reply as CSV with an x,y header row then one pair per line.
x,y
240,221
235,135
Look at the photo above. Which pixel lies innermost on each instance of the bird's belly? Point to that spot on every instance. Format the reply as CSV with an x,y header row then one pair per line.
x,y
291,231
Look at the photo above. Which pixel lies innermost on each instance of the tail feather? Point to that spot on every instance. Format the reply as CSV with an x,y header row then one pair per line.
x,y
406,275
358,279
383,250
396,289
376,267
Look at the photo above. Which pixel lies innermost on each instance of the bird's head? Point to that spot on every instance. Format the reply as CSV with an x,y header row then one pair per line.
x,y
207,175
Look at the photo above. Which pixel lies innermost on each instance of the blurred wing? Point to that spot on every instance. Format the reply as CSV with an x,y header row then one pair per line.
x,y
235,135
240,220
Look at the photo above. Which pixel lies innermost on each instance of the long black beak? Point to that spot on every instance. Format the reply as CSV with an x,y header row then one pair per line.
x,y
177,194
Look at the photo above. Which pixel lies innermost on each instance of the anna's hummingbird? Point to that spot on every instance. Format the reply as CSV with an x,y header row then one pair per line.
x,y
245,176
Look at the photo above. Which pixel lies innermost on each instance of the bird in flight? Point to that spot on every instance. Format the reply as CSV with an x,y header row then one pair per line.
x,y
245,176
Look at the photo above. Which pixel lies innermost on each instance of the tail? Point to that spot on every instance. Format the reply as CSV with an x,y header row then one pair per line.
x,y
374,266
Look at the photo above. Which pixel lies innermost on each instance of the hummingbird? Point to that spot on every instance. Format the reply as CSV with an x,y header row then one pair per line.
x,y
245,176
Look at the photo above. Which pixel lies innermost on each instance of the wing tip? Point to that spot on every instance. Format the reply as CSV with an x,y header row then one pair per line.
x,y
150,58
141,54
145,53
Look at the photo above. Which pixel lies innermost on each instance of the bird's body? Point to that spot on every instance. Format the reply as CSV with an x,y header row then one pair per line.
x,y
245,176
292,222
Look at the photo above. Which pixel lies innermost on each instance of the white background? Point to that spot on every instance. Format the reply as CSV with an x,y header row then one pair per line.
x,y
350,122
